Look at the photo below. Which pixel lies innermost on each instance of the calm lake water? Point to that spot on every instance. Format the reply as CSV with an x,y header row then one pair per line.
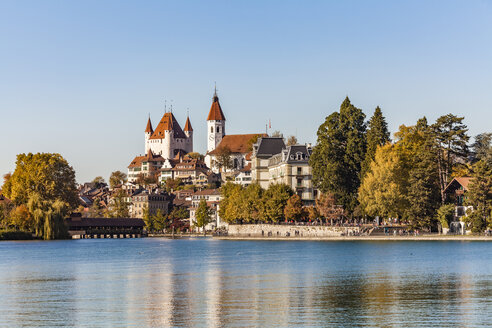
x,y
155,282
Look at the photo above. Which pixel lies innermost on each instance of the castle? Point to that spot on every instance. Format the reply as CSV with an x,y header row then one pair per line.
x,y
168,143
168,139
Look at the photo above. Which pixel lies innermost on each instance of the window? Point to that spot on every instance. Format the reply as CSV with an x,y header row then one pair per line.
x,y
211,129
299,170
218,129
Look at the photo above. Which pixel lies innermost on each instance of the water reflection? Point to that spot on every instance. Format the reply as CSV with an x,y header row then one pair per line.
x,y
205,283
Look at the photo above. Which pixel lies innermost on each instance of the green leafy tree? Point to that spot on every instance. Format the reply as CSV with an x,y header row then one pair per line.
x,y
418,153
480,195
148,219
452,147
119,207
117,178
160,220
203,215
274,201
338,155
377,135
445,215
223,158
482,147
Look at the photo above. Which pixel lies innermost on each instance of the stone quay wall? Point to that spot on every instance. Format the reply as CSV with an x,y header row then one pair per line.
x,y
273,230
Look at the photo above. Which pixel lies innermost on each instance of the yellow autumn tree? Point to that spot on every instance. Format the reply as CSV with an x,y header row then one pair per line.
x,y
383,189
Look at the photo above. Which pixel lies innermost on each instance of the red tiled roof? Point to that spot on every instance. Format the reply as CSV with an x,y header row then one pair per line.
x,y
149,129
150,157
168,123
237,143
464,181
216,113
247,168
188,125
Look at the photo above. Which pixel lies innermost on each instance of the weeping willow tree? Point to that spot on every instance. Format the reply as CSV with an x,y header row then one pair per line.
x,y
48,217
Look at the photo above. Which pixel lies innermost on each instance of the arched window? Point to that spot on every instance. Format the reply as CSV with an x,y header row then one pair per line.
x,y
211,129
218,129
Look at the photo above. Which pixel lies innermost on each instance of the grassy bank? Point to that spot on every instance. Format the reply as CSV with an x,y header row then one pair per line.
x,y
15,235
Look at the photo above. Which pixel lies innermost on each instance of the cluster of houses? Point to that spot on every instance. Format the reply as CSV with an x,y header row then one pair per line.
x,y
253,158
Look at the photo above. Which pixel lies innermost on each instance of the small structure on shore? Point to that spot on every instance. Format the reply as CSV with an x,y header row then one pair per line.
x,y
81,228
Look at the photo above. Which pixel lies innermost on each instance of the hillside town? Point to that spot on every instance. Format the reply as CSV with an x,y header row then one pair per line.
x,y
355,181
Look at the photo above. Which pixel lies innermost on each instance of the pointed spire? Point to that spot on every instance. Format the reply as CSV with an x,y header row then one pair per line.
x,y
149,129
188,125
215,113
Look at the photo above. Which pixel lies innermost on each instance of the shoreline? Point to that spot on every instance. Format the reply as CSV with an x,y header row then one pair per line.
x,y
363,238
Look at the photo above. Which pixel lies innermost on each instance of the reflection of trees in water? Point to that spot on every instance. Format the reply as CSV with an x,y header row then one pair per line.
x,y
385,300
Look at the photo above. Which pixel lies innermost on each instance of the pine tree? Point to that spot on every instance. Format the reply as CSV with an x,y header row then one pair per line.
x,y
451,138
338,155
480,195
377,135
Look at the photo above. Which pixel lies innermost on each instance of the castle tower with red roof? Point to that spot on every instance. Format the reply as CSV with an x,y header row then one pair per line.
x,y
168,138
215,124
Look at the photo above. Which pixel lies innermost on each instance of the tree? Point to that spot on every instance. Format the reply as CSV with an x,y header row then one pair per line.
x,y
252,141
148,219
445,215
196,155
223,159
251,204
451,139
160,220
291,141
418,152
202,215
228,209
117,178
313,213
173,184
274,201
99,182
293,209
383,189
277,134
480,194
338,155
45,174
482,147
119,207
377,135
326,207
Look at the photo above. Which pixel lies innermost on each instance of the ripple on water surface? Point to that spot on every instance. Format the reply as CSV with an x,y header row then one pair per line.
x,y
204,282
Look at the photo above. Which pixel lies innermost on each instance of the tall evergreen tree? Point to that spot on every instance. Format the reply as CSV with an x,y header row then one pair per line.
x,y
338,155
377,135
451,139
423,182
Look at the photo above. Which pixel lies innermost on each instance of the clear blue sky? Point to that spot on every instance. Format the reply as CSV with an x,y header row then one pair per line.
x,y
80,77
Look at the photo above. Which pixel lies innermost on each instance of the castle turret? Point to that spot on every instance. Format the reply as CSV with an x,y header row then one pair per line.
x,y
148,133
215,124
188,130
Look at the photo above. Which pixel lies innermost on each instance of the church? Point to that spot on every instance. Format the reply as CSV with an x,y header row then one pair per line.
x,y
239,145
168,143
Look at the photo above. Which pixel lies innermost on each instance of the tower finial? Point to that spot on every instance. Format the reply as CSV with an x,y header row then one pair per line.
x,y
215,98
